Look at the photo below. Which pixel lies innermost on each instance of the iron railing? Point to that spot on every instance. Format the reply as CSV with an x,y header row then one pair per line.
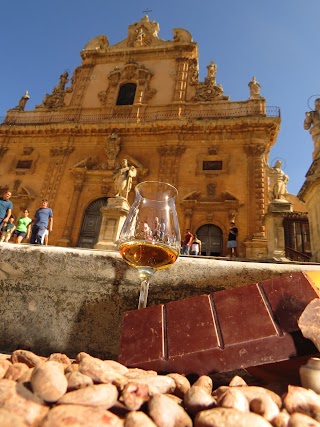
x,y
38,117
297,256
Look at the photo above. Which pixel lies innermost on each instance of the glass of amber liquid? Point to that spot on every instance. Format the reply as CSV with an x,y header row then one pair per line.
x,y
150,237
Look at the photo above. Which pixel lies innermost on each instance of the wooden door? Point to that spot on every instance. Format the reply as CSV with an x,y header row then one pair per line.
x,y
91,223
211,240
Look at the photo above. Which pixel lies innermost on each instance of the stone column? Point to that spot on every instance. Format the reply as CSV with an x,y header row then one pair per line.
x,y
256,241
113,218
66,237
275,230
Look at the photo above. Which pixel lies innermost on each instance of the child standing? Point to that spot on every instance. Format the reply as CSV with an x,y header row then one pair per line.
x,y
8,229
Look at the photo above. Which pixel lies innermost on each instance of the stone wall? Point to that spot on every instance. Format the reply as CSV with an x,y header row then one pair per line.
x,y
70,300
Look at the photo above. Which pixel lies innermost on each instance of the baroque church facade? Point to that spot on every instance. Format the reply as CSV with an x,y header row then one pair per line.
x,y
142,100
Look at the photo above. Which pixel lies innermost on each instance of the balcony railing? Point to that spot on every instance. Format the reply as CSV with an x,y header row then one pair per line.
x,y
136,115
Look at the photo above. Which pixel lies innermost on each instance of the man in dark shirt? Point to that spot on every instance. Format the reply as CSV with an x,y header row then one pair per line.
x,y
5,209
43,220
187,243
232,240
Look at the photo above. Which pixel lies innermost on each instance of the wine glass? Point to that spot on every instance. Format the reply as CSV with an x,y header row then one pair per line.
x,y
150,237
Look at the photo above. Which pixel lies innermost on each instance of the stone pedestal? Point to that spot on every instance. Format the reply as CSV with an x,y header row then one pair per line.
x,y
274,227
113,218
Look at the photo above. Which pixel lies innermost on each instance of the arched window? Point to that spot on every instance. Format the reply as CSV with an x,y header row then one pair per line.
x,y
126,94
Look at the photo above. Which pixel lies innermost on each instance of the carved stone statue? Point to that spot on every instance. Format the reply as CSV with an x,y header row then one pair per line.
x,y
23,101
212,71
209,90
278,181
312,122
254,88
123,179
55,99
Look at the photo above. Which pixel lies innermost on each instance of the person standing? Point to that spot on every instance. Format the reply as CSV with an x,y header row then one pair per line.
x,y
23,228
5,209
196,246
232,240
7,230
187,242
43,220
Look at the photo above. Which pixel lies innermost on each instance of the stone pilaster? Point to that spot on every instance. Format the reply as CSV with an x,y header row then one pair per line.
x,y
256,191
66,237
181,79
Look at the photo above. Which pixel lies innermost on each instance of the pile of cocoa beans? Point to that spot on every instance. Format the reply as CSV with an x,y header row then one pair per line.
x,y
87,391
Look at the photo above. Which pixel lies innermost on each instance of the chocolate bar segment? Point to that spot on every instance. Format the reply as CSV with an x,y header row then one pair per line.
x,y
227,330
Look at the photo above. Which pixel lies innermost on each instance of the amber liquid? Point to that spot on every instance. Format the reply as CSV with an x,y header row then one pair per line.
x,y
143,254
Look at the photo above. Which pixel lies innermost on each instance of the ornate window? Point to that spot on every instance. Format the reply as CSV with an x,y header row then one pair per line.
x,y
24,164
127,93
212,165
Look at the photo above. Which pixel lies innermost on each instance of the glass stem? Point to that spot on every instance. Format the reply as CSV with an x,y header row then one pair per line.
x,y
144,288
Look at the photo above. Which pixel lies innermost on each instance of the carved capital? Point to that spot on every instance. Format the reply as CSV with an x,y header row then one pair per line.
x,y
255,149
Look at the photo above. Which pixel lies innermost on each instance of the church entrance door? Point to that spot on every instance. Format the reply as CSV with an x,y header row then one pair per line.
x,y
91,223
211,240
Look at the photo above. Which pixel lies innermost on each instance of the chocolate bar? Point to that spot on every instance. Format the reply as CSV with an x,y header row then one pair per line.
x,y
231,329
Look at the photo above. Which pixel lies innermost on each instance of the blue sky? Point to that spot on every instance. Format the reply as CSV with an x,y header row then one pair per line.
x,y
275,40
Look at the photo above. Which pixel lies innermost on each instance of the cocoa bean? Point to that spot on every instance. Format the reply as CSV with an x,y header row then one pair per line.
x,y
118,367
61,358
237,381
48,381
27,357
205,382
4,365
167,413
301,420
299,399
182,384
138,419
15,371
197,399
134,395
104,395
81,416
233,398
77,380
17,399
265,407
158,384
281,420
99,371
229,417
8,419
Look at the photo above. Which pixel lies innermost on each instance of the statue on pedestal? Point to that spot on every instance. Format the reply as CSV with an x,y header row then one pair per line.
x,y
23,101
254,87
278,181
123,179
312,122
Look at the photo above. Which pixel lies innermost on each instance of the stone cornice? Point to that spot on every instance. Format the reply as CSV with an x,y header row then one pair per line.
x,y
228,127
168,51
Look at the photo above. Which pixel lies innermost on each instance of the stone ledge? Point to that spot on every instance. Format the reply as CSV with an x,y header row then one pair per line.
x,y
69,300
